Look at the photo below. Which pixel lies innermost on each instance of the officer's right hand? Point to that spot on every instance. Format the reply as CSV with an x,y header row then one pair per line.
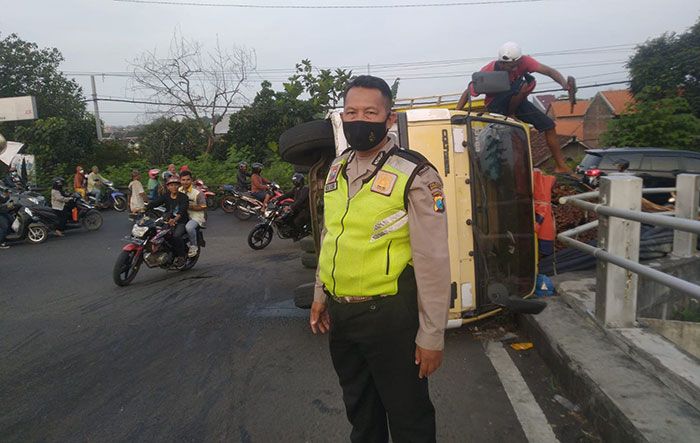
x,y
319,319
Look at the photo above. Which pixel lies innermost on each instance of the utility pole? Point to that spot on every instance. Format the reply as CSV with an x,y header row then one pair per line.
x,y
368,72
98,125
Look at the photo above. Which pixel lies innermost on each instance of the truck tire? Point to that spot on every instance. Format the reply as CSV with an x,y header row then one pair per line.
x,y
307,244
309,260
304,295
304,144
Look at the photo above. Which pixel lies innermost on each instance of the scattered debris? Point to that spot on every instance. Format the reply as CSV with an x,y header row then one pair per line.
x,y
524,346
566,403
508,336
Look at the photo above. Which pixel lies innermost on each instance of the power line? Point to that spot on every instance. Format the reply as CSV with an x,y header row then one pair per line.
x,y
384,6
147,102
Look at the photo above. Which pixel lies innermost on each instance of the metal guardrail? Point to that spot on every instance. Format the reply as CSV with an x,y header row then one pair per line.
x,y
619,208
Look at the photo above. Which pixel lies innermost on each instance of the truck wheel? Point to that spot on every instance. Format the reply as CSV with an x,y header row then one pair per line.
x,y
304,144
309,260
307,244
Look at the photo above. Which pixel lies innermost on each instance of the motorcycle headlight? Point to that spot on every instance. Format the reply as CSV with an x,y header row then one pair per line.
x,y
28,212
34,200
139,231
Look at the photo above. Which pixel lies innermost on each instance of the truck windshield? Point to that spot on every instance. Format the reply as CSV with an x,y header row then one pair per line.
x,y
503,207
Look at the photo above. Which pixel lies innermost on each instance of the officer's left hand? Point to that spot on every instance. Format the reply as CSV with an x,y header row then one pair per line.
x,y
428,360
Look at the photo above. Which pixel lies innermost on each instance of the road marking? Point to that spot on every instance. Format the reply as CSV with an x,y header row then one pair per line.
x,y
532,419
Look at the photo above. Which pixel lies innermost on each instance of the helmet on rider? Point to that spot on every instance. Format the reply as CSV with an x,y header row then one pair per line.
x,y
509,52
257,167
242,165
57,183
298,179
153,173
184,168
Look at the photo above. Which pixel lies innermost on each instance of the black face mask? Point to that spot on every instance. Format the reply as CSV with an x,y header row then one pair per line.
x,y
363,135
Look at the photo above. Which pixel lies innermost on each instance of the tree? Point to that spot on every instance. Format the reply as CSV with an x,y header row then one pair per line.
x,y
671,65
665,122
165,138
198,85
26,69
259,125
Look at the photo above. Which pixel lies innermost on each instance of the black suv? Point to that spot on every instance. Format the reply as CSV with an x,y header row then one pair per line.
x,y
657,167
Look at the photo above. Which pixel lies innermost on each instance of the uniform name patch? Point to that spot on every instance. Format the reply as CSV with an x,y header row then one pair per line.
x,y
384,183
435,187
331,186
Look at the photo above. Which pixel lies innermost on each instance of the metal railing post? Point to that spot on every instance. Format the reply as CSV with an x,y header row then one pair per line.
x,y
616,292
687,196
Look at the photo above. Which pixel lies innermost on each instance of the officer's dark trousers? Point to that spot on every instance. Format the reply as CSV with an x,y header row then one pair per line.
x,y
373,350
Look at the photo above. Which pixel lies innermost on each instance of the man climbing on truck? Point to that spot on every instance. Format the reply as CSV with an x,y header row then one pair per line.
x,y
515,103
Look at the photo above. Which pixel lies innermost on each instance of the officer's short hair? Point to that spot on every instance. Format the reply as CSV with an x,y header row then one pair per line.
x,y
371,82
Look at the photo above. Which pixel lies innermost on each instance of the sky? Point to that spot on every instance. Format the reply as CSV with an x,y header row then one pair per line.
x,y
433,50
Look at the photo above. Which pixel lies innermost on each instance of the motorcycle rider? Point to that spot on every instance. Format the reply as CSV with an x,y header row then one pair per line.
x,y
197,210
94,184
258,184
58,204
170,172
176,203
242,183
5,218
298,212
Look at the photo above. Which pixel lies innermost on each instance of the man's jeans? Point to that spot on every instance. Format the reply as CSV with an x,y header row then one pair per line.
x,y
191,228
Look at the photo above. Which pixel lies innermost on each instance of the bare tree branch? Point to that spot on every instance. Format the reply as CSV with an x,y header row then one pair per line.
x,y
204,85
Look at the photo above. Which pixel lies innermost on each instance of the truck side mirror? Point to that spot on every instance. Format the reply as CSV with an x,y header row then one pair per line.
x,y
490,82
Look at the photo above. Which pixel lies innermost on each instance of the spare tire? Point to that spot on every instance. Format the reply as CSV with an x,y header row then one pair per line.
x,y
309,260
304,144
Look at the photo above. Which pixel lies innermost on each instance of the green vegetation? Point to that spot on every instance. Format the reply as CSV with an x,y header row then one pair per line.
x,y
665,74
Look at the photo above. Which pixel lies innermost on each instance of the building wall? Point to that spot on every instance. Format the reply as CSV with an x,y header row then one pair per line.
x,y
595,122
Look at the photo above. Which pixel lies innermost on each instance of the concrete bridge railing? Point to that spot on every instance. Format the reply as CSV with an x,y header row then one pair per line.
x,y
620,217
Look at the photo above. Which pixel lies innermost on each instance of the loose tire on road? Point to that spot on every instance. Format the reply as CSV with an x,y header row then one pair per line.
x,y
37,233
304,295
309,260
260,237
120,204
304,144
307,244
125,269
92,220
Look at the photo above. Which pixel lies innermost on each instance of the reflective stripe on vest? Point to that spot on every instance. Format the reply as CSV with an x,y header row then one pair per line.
x,y
366,245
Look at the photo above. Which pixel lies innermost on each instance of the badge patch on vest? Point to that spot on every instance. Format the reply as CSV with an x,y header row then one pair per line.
x,y
438,203
384,183
333,173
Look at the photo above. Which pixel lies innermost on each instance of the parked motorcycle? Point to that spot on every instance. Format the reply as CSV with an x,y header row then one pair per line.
x,y
243,205
275,219
150,244
209,195
83,215
110,197
26,225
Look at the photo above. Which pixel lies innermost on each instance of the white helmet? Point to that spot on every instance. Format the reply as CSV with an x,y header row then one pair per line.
x,y
509,52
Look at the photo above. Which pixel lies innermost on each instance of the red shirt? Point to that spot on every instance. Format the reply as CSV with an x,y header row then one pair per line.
x,y
526,64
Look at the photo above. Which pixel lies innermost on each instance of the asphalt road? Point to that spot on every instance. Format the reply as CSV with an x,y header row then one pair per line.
x,y
218,353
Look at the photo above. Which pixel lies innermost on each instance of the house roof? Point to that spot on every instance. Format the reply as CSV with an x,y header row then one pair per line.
x,y
562,108
617,100
540,149
544,100
570,127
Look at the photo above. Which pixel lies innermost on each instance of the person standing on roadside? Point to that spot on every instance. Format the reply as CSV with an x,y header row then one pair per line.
x,y
137,195
5,217
383,277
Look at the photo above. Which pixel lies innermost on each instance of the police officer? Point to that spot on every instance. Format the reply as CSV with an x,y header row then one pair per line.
x,y
383,278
